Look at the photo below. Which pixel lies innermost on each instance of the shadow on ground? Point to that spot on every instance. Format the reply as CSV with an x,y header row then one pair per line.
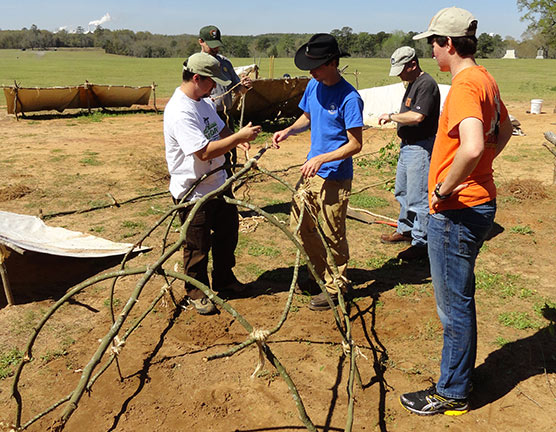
x,y
505,368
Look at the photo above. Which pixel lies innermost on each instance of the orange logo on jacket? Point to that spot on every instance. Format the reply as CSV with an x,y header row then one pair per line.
x,y
408,102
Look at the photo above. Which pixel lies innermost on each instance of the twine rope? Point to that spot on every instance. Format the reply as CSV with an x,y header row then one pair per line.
x,y
260,337
347,349
117,345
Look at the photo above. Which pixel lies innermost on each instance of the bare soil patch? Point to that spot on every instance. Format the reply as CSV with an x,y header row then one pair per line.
x,y
68,162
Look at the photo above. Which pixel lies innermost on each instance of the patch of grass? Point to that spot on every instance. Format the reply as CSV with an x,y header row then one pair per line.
x,y
377,261
8,360
132,224
133,228
365,200
58,158
275,188
518,320
270,376
387,158
521,229
97,229
262,137
501,341
50,355
96,117
90,159
152,210
512,158
257,249
115,301
23,325
253,270
97,203
432,330
503,286
404,290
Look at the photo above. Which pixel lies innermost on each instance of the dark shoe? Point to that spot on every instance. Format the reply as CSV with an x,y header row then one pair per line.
x,y
395,237
203,306
307,287
413,253
319,302
428,402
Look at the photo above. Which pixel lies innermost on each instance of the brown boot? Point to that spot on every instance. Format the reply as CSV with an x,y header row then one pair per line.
x,y
320,302
395,237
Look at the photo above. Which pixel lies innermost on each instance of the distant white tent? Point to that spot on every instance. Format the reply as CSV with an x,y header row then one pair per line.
x,y
510,54
387,99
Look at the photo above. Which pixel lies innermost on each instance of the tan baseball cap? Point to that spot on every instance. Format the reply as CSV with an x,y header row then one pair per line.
x,y
452,22
206,65
400,58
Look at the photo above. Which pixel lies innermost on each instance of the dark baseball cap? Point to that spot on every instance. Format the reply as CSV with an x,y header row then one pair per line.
x,y
211,35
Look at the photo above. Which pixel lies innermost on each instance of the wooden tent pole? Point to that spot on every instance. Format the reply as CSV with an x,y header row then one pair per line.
x,y
4,274
87,93
16,87
154,96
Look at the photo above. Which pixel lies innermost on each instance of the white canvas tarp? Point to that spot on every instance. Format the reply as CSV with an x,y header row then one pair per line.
x,y
387,99
84,96
32,234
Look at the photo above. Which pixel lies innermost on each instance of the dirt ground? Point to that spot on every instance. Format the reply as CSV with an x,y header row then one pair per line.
x,y
54,163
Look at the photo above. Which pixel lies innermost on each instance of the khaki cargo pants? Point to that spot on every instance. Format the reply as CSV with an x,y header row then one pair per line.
x,y
326,200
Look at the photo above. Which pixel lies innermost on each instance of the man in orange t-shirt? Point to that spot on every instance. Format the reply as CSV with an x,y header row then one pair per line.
x,y
473,129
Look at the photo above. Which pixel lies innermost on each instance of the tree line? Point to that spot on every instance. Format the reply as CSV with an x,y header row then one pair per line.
x,y
146,44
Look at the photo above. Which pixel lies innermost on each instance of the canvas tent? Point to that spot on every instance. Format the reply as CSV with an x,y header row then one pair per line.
x,y
20,234
387,99
510,54
271,98
28,99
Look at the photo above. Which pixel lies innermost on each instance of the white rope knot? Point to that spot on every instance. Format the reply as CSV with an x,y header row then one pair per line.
x,y
341,282
117,345
347,348
260,337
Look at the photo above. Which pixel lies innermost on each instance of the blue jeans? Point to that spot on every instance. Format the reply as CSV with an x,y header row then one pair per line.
x,y
411,190
454,240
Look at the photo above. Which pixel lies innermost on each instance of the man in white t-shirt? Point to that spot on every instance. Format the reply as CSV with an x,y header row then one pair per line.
x,y
196,140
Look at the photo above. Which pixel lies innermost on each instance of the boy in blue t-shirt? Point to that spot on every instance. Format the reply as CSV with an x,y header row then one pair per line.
x,y
332,108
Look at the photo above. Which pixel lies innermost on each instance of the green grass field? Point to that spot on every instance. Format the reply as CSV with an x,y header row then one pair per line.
x,y
519,80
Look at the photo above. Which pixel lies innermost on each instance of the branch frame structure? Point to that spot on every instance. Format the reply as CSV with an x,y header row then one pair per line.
x,y
115,339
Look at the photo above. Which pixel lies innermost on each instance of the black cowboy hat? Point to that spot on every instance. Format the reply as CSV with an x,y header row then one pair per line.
x,y
321,48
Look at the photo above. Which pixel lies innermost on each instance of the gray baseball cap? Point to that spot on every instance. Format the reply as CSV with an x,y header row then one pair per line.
x,y
452,21
206,65
400,58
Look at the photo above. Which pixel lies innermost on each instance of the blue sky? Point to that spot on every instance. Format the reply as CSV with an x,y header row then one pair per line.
x,y
247,17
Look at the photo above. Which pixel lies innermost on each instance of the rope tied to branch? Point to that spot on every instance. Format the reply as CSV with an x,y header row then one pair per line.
x,y
117,345
303,195
347,349
260,337
220,96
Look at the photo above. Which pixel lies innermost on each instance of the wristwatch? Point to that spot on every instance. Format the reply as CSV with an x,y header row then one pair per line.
x,y
390,117
437,192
